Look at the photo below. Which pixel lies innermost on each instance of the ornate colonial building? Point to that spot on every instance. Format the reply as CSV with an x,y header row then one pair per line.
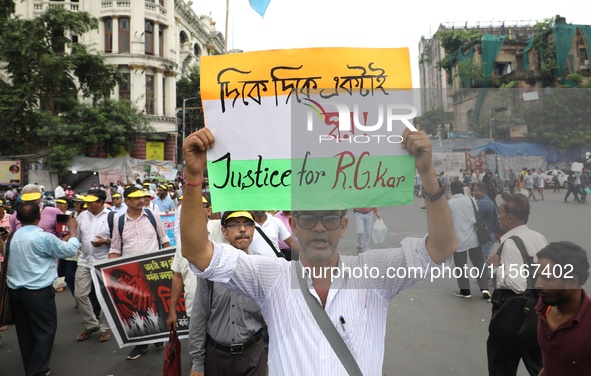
x,y
154,43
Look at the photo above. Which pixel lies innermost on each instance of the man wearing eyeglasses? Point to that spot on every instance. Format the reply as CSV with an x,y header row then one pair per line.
x,y
356,307
226,324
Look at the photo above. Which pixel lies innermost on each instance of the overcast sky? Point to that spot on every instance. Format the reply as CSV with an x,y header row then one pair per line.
x,y
371,23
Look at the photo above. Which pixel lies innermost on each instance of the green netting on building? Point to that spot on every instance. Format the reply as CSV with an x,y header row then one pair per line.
x,y
460,57
526,52
491,46
563,38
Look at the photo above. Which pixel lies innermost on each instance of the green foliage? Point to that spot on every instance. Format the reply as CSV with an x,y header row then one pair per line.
x,y
48,72
509,85
453,39
188,87
561,118
469,73
430,121
576,78
105,126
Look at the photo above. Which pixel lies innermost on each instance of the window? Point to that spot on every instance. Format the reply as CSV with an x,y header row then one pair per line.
x,y
163,96
584,59
149,94
124,34
161,41
149,35
108,35
124,87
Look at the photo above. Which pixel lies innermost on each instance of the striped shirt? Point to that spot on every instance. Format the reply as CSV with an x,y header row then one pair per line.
x,y
297,345
139,236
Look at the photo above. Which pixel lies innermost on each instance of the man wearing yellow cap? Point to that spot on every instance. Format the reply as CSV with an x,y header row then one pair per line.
x,y
93,233
226,326
163,201
139,237
48,222
118,205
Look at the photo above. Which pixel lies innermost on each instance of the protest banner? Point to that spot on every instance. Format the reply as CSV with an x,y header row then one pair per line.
x,y
316,128
134,293
168,222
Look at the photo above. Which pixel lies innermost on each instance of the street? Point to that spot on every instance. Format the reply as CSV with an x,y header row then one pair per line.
x,y
430,332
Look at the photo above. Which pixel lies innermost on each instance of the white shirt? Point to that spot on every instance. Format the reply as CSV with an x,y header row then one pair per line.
x,y
275,230
89,227
59,192
511,257
181,265
297,345
462,213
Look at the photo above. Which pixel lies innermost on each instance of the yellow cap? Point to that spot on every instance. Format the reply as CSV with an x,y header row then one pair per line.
x,y
116,195
203,199
146,193
136,194
61,201
33,196
90,198
239,214
180,197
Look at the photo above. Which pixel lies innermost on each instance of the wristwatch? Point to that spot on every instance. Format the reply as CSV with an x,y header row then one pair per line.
x,y
436,196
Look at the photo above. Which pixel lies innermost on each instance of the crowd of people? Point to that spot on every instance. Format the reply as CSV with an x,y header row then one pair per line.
x,y
244,311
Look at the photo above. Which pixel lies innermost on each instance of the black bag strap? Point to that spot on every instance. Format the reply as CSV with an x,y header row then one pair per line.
x,y
122,223
262,233
475,211
110,217
330,332
527,259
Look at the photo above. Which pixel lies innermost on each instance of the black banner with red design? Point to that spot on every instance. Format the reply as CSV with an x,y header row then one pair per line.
x,y
135,294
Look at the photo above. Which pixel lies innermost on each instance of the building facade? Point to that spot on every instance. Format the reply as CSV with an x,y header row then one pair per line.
x,y
153,43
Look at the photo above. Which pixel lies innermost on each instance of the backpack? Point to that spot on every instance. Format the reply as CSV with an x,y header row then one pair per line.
x,y
121,223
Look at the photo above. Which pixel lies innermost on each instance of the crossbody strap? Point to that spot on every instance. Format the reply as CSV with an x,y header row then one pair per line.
x,y
527,259
330,332
262,233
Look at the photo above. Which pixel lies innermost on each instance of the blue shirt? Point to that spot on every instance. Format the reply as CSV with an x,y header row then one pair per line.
x,y
164,205
33,257
489,212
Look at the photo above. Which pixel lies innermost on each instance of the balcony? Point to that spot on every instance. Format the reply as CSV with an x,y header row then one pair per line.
x,y
153,7
40,6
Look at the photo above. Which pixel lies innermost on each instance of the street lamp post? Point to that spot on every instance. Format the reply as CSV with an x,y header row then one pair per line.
x,y
184,124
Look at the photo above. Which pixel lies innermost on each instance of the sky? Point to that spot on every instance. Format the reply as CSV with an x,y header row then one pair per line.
x,y
371,23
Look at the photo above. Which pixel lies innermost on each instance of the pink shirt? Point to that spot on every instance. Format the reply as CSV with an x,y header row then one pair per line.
x,y
285,221
138,236
47,222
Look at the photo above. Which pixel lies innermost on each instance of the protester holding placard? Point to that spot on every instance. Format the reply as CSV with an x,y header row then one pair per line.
x,y
357,306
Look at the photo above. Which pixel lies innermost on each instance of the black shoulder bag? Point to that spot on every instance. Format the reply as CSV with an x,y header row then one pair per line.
x,y
481,228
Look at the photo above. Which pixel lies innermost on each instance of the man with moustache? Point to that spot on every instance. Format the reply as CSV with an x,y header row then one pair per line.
x,y
564,310
356,307
227,325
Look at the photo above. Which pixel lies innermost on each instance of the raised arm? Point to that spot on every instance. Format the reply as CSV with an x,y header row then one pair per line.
x,y
441,241
196,246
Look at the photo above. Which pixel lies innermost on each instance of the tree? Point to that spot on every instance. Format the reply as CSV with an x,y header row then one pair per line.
x,y
188,87
430,121
562,118
48,71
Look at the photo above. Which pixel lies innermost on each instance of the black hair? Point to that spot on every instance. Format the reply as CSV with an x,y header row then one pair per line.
x,y
28,213
517,205
568,254
102,195
456,187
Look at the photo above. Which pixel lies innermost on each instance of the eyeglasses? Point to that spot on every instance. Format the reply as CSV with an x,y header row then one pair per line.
x,y
309,221
237,225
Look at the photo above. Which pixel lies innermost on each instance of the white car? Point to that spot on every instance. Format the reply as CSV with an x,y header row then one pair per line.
x,y
562,178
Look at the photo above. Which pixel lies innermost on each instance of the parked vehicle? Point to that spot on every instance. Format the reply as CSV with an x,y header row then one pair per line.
x,y
562,178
